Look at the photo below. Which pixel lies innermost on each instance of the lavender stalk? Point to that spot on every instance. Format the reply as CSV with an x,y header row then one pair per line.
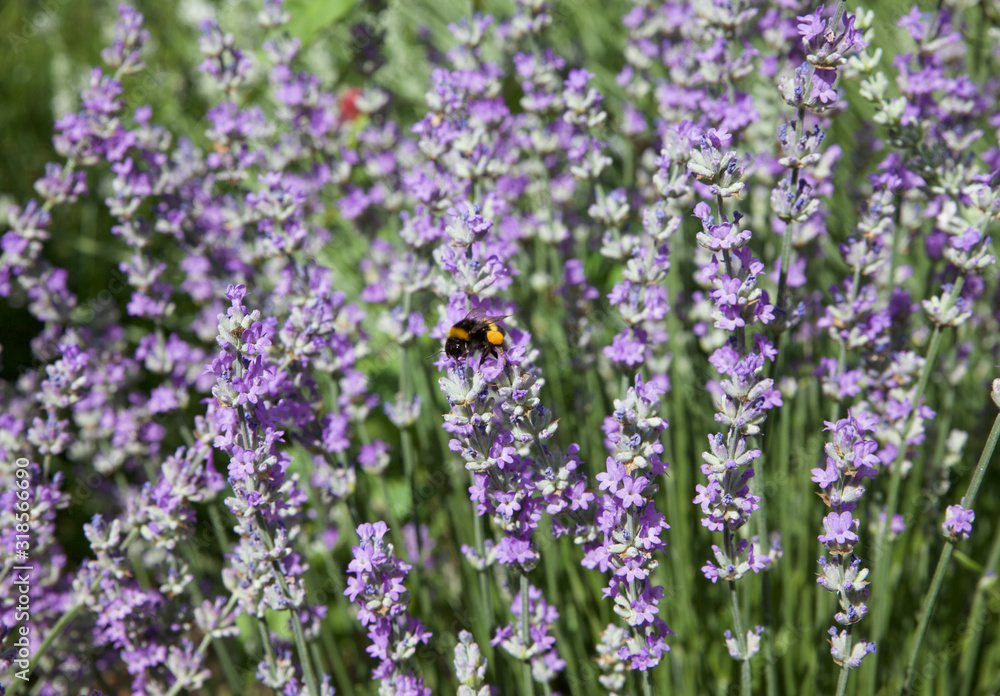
x,y
957,527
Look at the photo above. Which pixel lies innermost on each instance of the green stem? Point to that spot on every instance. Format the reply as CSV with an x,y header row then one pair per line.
x,y
486,602
265,639
303,649
345,684
228,668
219,528
529,684
317,657
203,645
841,8
770,658
942,567
845,670
842,351
897,228
410,469
406,436
409,464
746,684
786,248
975,622
943,423
298,634
882,557
65,620
391,513
762,531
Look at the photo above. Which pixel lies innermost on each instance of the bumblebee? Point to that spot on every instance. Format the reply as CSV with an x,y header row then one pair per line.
x,y
477,333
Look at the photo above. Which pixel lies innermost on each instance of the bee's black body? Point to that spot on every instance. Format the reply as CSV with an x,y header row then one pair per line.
x,y
476,333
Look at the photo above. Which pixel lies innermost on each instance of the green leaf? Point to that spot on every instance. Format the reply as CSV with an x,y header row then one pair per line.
x,y
308,17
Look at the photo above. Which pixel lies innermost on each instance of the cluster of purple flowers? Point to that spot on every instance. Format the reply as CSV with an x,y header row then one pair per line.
x,y
498,422
503,479
540,651
375,584
630,524
744,395
850,460
265,572
641,296
726,501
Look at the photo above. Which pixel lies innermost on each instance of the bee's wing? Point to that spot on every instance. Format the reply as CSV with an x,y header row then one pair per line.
x,y
480,314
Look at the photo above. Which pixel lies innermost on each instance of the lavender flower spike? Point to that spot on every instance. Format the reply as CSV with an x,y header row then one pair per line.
x,y
470,667
850,459
542,653
631,525
376,586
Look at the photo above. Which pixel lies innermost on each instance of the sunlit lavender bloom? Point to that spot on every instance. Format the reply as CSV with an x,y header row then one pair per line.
x,y
630,523
541,652
744,401
640,297
851,458
838,649
375,584
265,572
503,479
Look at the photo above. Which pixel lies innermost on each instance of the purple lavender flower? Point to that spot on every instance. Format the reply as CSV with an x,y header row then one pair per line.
x,y
752,644
727,501
640,297
376,586
630,524
850,459
840,536
842,651
265,571
541,653
958,523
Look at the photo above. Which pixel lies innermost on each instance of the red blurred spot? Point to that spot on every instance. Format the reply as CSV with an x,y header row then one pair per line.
x,y
349,104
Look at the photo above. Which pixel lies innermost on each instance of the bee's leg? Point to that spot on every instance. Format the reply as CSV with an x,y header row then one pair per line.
x,y
506,365
491,350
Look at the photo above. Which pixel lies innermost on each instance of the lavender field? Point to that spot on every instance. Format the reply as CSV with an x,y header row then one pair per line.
x,y
499,347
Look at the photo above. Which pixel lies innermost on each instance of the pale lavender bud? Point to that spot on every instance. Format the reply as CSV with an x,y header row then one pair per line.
x,y
957,525
470,667
838,648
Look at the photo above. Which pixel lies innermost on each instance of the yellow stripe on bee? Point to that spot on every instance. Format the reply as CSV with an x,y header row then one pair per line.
x,y
461,334
494,337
